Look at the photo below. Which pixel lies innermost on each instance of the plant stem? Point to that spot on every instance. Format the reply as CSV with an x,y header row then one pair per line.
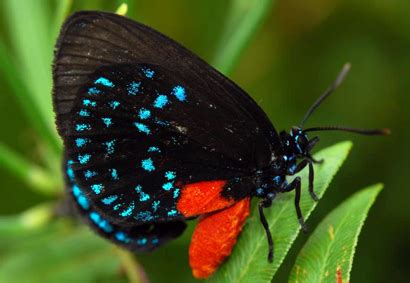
x,y
133,269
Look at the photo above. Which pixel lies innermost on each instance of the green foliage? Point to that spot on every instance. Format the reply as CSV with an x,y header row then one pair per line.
x,y
248,262
328,254
244,17
61,256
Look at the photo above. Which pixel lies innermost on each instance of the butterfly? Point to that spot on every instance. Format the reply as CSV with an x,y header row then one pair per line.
x,y
154,136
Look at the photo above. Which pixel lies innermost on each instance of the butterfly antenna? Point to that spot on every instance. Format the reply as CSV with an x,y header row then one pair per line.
x,y
268,234
368,132
328,91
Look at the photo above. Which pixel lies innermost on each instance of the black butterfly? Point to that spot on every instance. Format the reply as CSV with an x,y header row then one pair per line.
x,y
154,136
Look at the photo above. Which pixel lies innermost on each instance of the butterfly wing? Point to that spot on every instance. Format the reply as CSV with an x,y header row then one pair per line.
x,y
144,237
142,117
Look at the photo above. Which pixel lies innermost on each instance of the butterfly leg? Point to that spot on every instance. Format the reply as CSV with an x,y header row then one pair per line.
x,y
262,204
295,185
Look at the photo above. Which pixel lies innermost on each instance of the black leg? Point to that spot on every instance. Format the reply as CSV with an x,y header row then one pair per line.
x,y
295,185
311,180
300,166
262,204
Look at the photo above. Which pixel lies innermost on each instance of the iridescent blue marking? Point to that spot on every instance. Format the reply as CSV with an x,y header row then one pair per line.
x,y
179,93
82,127
142,241
128,211
153,149
142,128
161,101
144,114
84,158
117,206
149,73
277,180
97,188
168,186
143,195
109,200
155,241
114,174
70,171
87,102
133,88
176,193
259,191
144,216
104,81
84,113
155,205
101,222
80,142
107,121
122,237
88,174
114,104
161,123
170,175
93,90
109,146
172,212
292,169
81,198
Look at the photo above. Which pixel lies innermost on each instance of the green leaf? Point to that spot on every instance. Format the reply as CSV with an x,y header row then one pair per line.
x,y
248,262
32,219
328,254
30,30
244,18
76,256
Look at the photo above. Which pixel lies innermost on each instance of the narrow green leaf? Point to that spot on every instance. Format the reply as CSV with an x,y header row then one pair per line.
x,y
328,254
248,262
13,77
244,19
29,25
66,257
61,12
36,177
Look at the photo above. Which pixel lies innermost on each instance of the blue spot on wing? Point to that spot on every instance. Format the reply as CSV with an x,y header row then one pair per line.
x,y
109,200
80,197
107,121
87,102
149,73
80,142
179,93
88,174
93,90
114,104
142,128
160,101
144,114
82,127
84,158
133,88
101,222
128,211
97,188
148,165
104,81
84,113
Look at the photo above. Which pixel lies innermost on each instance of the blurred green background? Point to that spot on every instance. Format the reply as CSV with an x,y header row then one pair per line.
x,y
292,57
